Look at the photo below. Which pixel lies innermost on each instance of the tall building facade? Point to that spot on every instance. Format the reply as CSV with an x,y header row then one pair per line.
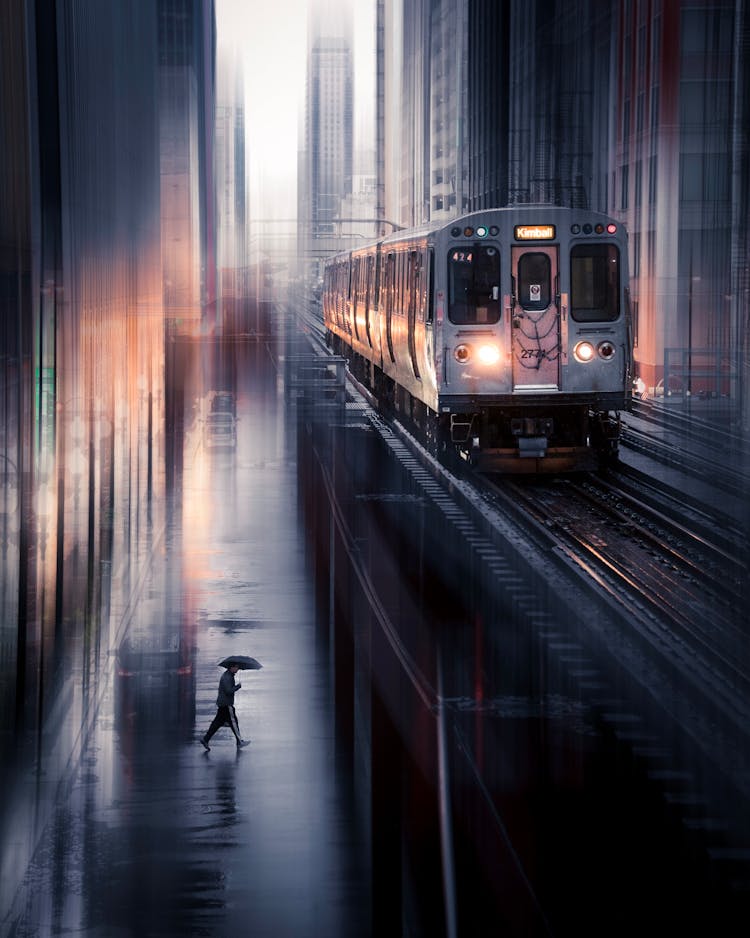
x,y
231,180
186,100
680,182
326,162
82,363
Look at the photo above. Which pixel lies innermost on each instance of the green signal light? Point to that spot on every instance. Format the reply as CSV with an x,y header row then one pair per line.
x,y
481,232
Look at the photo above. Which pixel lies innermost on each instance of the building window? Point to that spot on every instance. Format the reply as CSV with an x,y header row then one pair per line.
x,y
639,108
654,116
704,177
652,181
637,183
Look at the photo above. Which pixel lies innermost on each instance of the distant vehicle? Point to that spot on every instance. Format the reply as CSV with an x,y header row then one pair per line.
x,y
223,402
220,431
504,335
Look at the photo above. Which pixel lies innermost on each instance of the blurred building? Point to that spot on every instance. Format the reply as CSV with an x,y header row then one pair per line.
x,y
680,182
186,119
326,162
231,180
104,155
83,322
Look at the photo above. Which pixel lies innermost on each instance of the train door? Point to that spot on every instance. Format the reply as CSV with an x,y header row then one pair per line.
x,y
535,317
390,287
355,303
413,291
369,284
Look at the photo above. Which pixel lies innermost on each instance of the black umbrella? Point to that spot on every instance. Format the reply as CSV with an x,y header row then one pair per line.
x,y
244,662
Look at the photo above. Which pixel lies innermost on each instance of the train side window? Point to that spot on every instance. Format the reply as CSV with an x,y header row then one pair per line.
x,y
403,274
473,279
389,288
419,285
430,286
376,283
594,282
534,280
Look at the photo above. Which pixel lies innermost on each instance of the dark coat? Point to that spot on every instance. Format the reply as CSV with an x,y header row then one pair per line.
x,y
226,690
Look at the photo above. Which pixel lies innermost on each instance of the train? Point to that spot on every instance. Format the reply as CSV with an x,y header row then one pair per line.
x,y
504,335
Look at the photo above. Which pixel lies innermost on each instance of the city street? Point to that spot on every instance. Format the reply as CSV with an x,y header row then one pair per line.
x,y
158,836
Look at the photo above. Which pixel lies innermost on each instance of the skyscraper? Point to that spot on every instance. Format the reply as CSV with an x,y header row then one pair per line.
x,y
186,98
326,163
231,180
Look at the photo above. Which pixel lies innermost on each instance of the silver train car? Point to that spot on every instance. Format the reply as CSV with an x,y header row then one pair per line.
x,y
504,334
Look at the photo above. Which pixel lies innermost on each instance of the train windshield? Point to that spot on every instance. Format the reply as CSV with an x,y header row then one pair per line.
x,y
594,282
474,285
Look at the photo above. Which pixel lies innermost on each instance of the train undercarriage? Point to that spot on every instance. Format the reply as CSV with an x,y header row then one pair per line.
x,y
543,438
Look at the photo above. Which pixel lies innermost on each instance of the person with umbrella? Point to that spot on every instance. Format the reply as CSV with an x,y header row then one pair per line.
x,y
226,713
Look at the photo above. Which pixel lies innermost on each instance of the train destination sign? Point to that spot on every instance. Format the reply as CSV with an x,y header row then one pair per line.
x,y
534,232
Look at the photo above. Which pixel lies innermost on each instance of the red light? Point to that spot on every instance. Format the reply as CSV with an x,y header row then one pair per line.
x,y
611,229
468,232
185,669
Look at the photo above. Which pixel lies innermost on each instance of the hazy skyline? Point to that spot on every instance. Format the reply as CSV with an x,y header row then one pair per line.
x,y
271,39
272,44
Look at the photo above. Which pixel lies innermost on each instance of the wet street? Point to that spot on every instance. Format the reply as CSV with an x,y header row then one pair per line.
x,y
152,835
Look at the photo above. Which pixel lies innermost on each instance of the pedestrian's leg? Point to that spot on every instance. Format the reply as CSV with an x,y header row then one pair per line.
x,y
235,725
217,722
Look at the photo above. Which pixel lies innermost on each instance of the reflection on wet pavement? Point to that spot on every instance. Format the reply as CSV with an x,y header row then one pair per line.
x,y
155,836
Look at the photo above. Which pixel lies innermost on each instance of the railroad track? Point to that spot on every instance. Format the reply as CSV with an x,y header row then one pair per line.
x,y
729,533
698,448
681,592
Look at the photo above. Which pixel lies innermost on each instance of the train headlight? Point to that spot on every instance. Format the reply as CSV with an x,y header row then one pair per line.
x,y
584,352
606,350
462,354
488,354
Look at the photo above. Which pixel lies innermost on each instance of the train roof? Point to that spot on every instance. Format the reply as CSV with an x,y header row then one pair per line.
x,y
432,228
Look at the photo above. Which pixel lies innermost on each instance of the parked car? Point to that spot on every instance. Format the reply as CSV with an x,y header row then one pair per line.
x,y
220,431
223,402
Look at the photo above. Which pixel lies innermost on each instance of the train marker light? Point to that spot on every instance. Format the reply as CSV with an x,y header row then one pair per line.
x,y
584,352
494,231
488,354
468,231
599,228
606,350
575,229
462,354
455,231
611,229
481,232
